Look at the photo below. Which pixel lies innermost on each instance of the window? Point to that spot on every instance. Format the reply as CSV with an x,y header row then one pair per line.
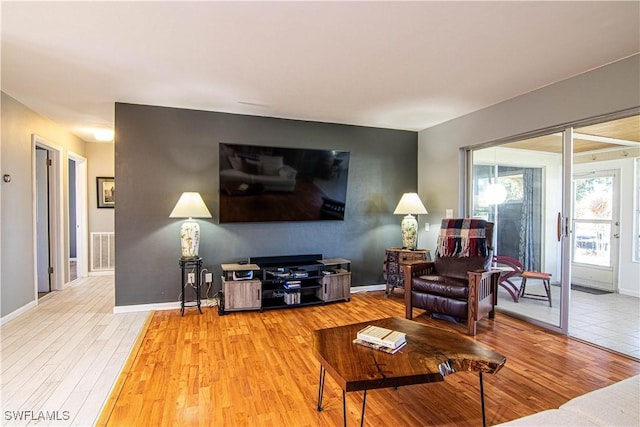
x,y
593,215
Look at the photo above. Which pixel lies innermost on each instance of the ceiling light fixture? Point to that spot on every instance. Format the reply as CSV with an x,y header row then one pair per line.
x,y
103,135
495,192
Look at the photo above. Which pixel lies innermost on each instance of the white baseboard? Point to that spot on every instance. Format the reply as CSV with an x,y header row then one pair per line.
x,y
629,292
368,288
146,307
18,312
102,273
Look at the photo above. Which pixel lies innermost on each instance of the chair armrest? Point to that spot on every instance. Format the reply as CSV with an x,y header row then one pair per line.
x,y
483,283
483,273
477,276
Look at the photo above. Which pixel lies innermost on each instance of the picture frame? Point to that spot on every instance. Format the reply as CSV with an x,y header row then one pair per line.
x,y
106,190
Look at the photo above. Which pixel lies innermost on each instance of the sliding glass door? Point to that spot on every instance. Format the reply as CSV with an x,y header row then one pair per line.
x,y
563,205
521,186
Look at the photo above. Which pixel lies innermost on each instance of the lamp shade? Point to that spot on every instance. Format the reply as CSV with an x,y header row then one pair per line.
x,y
190,205
410,203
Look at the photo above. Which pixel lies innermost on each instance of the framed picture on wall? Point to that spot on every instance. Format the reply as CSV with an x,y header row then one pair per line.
x,y
106,191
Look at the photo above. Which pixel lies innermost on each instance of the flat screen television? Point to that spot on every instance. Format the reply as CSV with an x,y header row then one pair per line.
x,y
263,184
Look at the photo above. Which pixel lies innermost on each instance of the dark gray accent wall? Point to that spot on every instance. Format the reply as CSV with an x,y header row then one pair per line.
x,y
161,152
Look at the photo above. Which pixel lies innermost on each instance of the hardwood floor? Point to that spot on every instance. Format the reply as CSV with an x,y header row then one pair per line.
x,y
257,369
61,358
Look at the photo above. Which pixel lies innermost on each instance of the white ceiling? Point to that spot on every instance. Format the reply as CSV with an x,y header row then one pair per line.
x,y
400,65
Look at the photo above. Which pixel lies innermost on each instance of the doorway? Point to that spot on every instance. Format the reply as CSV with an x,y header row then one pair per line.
x,y
47,215
596,230
43,221
78,230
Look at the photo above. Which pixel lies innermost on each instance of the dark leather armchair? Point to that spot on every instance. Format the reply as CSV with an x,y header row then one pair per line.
x,y
462,288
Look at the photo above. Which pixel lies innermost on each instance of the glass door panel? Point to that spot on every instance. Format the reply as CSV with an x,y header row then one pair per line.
x,y
518,186
595,225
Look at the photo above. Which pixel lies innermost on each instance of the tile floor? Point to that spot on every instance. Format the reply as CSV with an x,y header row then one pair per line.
x,y
60,359
609,320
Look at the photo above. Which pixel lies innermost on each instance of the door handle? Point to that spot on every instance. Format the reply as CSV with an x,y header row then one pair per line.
x,y
562,229
617,236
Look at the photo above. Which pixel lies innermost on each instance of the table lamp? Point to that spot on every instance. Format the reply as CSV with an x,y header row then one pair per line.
x,y
190,205
409,204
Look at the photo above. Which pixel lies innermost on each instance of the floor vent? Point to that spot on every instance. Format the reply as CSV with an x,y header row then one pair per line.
x,y
103,254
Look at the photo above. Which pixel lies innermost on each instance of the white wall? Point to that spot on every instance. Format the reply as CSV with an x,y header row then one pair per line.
x,y
612,88
19,123
101,161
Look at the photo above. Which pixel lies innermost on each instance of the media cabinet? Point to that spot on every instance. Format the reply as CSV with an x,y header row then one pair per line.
x,y
284,281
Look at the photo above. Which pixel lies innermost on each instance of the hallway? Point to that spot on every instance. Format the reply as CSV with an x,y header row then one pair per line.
x,y
65,355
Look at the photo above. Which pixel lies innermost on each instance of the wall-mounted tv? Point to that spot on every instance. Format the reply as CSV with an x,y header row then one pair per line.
x,y
262,184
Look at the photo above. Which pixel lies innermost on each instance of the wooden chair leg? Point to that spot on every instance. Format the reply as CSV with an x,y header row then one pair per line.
x,y
523,285
547,288
408,305
471,327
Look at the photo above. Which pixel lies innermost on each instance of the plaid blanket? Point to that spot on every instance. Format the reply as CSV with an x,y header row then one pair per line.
x,y
462,237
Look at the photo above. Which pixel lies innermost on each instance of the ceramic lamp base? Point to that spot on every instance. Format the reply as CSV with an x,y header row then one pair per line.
x,y
190,238
409,232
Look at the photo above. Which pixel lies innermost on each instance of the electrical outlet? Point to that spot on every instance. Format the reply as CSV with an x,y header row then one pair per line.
x,y
426,226
208,277
449,213
191,278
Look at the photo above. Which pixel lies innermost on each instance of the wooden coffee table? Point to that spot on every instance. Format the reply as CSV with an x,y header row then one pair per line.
x,y
430,355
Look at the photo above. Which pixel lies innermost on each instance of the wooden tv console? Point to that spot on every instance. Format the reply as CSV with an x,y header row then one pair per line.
x,y
284,282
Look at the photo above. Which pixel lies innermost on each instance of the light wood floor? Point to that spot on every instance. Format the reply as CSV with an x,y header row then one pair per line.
x,y
64,356
257,369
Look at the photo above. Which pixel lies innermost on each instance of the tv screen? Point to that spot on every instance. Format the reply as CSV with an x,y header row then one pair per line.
x,y
261,184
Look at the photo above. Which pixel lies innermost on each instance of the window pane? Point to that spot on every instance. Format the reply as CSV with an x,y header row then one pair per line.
x,y
594,197
513,185
592,244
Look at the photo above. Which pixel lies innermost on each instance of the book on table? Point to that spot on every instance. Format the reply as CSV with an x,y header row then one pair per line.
x,y
382,336
378,346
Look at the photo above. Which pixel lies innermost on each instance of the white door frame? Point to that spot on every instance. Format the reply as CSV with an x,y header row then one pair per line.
x,y
56,209
82,209
564,228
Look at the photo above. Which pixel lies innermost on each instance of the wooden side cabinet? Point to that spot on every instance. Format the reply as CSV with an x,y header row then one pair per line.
x,y
336,284
240,294
392,267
